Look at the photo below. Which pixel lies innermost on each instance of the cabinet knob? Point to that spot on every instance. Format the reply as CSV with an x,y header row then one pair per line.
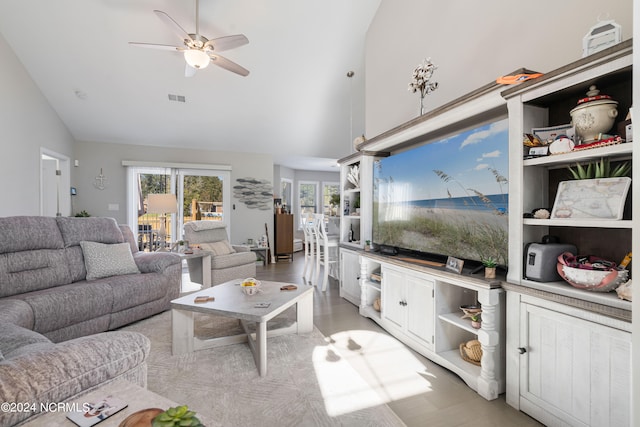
x,y
522,350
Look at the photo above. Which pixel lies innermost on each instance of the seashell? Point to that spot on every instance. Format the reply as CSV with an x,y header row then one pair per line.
x,y
541,214
624,291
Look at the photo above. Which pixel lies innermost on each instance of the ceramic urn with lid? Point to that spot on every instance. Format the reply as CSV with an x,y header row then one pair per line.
x,y
593,115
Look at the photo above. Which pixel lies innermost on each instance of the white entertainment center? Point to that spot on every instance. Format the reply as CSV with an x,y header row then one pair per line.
x,y
561,354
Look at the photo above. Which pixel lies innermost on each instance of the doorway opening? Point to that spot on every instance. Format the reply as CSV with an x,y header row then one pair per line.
x,y
55,184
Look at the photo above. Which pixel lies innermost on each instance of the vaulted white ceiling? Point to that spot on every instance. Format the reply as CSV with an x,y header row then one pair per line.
x,y
297,103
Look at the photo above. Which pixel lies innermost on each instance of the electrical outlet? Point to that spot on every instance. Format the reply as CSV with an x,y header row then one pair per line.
x,y
114,207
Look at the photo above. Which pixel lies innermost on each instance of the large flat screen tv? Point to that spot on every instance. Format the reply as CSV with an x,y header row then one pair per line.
x,y
448,197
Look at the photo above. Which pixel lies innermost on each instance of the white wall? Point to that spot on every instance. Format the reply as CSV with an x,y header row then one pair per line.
x,y
472,43
245,223
27,124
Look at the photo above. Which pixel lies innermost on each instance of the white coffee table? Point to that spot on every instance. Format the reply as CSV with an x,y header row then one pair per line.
x,y
230,301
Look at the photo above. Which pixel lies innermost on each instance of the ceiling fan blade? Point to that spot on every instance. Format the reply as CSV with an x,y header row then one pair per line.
x,y
175,27
189,71
223,62
227,42
159,46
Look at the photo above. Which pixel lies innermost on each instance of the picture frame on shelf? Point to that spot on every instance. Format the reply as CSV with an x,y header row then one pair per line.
x,y
551,133
454,264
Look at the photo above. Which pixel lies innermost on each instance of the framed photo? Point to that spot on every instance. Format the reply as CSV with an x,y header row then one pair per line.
x,y
454,264
551,133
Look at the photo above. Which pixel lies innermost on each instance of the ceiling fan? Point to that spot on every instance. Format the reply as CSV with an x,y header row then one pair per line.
x,y
199,51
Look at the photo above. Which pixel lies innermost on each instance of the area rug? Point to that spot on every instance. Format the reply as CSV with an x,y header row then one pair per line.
x,y
308,381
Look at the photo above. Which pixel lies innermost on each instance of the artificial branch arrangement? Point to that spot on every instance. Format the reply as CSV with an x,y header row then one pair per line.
x,y
421,81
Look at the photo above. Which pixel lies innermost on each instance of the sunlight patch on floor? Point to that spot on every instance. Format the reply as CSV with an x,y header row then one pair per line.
x,y
343,389
359,369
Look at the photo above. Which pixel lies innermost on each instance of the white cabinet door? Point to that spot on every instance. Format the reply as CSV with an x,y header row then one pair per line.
x,y
574,370
349,276
393,297
420,310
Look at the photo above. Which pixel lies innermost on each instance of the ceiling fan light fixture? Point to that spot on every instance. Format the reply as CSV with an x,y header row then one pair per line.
x,y
197,59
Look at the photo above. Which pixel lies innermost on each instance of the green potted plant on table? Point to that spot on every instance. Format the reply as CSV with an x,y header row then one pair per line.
x,y
490,264
178,416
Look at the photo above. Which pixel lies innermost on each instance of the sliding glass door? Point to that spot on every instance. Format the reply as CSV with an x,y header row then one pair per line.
x,y
203,195
161,200
155,210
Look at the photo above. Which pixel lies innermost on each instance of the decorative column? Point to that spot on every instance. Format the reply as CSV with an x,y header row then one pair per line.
x,y
489,336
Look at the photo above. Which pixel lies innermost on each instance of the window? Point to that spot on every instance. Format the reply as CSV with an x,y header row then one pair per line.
x,y
330,198
307,199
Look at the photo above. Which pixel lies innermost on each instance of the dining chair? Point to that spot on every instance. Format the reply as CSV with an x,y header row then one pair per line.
x,y
326,251
309,247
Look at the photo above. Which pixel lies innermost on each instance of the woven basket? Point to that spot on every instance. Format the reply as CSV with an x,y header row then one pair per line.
x,y
471,352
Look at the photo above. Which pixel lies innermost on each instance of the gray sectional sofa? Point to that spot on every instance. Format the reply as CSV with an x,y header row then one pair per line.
x,y
54,343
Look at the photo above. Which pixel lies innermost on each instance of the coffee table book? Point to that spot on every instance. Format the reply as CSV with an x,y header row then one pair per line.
x,y
96,411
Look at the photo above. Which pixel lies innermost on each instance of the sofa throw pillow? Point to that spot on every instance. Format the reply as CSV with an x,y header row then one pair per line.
x,y
105,260
218,248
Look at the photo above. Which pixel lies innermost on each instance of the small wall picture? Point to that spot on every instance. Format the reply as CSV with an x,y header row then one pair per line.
x,y
454,264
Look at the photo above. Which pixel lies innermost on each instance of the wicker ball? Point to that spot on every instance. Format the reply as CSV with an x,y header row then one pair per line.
x,y
376,304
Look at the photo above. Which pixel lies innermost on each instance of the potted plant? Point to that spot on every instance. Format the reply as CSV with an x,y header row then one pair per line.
x,y
476,322
356,205
367,245
183,245
601,169
490,264
178,416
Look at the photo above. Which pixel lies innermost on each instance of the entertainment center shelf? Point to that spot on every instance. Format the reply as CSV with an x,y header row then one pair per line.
x,y
560,338
545,344
613,151
420,306
599,223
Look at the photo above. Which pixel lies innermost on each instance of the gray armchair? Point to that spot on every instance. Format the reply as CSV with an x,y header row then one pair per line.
x,y
228,261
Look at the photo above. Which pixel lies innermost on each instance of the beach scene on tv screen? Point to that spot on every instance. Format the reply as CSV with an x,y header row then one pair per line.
x,y
447,197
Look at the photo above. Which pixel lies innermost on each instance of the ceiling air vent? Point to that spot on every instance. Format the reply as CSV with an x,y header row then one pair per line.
x,y
177,98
